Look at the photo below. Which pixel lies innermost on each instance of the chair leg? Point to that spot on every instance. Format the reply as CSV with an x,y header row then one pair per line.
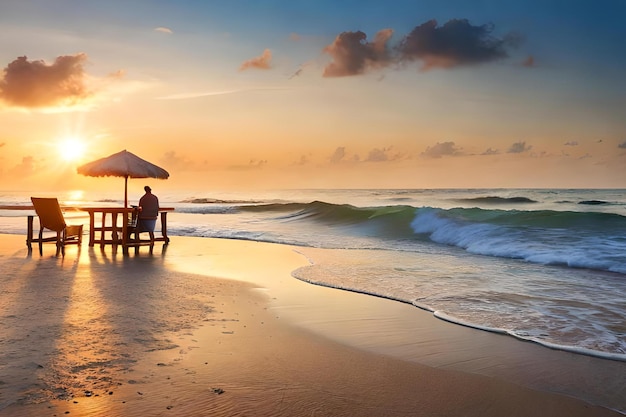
x,y
151,241
40,242
60,243
137,238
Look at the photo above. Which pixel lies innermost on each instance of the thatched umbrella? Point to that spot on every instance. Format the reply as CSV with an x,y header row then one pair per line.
x,y
123,164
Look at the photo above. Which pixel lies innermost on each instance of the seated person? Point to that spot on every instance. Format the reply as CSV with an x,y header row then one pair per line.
x,y
148,211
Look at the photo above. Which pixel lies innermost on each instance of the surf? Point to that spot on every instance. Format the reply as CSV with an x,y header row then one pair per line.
x,y
593,240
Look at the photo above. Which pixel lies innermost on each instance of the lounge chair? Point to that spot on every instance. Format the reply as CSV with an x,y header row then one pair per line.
x,y
51,218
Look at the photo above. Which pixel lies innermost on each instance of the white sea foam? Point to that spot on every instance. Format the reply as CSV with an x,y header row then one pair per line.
x,y
481,267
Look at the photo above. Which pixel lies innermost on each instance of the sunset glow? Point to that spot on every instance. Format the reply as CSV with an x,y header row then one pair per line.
x,y
71,149
422,94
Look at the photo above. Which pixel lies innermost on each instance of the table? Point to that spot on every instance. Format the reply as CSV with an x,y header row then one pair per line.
x,y
119,233
119,230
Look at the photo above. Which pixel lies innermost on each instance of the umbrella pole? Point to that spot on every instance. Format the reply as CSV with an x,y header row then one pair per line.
x,y
126,191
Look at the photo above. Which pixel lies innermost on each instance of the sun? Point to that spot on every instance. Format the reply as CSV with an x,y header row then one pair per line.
x,y
71,149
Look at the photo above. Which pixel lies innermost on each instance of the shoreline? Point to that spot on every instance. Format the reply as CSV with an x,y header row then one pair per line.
x,y
272,344
441,316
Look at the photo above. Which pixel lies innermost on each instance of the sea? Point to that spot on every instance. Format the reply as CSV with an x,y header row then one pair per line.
x,y
541,265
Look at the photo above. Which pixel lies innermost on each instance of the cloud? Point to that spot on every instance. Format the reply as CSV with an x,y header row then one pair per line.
x,y
294,37
304,160
253,164
377,155
622,145
456,43
529,62
175,162
490,151
571,143
33,84
519,147
381,155
338,155
165,30
260,62
353,55
2,144
24,169
441,149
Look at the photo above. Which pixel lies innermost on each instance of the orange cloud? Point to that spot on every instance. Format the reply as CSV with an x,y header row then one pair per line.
x,y
442,149
176,162
519,147
33,84
254,164
381,155
259,62
26,168
352,55
338,155
491,151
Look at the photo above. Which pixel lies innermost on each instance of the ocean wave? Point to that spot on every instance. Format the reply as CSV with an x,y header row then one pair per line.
x,y
347,214
580,240
206,209
619,355
574,239
557,346
593,202
217,201
499,200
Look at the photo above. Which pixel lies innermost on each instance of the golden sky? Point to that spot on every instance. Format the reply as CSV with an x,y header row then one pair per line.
x,y
224,95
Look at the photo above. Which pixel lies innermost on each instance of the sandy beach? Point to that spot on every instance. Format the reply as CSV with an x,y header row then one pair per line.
x,y
220,327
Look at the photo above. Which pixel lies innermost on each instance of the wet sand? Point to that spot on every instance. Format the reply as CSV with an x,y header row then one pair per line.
x,y
219,327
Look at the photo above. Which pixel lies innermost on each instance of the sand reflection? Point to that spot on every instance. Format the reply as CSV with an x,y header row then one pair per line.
x,y
74,326
88,347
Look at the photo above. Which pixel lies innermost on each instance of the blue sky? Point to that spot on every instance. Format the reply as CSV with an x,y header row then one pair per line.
x,y
325,93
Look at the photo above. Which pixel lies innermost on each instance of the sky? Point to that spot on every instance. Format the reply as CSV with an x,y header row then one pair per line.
x,y
273,94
